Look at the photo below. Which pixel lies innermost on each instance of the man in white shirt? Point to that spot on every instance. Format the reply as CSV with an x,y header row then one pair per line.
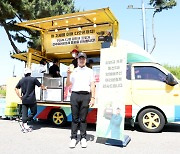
x,y
83,96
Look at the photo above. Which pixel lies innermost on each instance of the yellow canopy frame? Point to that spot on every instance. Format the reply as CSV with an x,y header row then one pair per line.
x,y
64,27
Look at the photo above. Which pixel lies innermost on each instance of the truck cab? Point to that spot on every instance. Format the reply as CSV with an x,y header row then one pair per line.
x,y
154,93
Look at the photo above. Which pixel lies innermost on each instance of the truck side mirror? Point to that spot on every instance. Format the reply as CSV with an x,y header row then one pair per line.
x,y
170,80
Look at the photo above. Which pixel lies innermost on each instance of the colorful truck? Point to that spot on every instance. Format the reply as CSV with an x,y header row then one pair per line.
x,y
152,95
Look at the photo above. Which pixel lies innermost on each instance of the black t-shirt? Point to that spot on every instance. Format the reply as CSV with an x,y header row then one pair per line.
x,y
27,85
75,63
53,70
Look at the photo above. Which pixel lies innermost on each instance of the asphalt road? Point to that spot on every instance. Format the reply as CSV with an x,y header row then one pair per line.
x,y
48,139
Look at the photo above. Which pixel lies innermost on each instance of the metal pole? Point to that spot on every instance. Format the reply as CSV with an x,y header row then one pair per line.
x,y
29,59
144,27
13,71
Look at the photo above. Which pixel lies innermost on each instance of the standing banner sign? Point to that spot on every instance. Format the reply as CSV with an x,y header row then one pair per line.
x,y
111,94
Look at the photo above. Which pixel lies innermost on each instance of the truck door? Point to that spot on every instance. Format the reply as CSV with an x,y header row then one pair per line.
x,y
149,88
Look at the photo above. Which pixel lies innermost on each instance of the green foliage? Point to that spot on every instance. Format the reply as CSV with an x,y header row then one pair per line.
x,y
162,4
173,69
13,11
2,92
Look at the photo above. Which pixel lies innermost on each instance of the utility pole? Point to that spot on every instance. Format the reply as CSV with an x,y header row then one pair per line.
x,y
143,23
14,71
144,27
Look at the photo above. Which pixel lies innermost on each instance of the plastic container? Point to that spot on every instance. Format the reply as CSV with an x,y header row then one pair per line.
x,y
2,107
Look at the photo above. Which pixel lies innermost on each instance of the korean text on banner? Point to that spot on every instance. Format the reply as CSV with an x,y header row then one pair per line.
x,y
111,103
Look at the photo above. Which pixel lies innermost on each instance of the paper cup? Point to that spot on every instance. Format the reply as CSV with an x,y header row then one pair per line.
x,y
71,67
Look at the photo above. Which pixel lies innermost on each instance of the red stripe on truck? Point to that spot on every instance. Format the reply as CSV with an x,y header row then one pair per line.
x,y
92,116
128,111
44,114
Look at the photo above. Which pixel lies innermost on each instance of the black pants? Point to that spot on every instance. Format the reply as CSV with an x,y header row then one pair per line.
x,y
33,109
79,108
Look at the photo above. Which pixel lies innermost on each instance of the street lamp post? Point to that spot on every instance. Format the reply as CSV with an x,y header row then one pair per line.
x,y
143,23
144,27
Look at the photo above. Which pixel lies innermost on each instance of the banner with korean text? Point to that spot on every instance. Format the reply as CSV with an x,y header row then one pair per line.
x,y
111,94
87,38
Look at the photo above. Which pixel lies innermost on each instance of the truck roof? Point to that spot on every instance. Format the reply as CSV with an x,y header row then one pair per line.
x,y
143,63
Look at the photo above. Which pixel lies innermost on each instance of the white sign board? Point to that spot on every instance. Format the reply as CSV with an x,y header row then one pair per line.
x,y
111,97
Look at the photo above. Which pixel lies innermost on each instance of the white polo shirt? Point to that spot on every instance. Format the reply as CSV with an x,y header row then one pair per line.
x,y
81,79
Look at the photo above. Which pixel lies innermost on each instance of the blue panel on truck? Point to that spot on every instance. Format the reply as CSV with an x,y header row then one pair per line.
x,y
177,113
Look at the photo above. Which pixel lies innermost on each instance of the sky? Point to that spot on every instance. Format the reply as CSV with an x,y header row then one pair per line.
x,y
166,25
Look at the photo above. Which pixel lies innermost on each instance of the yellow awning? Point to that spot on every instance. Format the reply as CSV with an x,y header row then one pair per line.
x,y
54,29
72,20
36,57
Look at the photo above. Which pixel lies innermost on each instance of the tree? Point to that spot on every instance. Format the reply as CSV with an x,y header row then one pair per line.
x,y
13,11
159,6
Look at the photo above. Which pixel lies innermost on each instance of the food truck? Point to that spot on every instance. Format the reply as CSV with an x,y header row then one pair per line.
x,y
152,95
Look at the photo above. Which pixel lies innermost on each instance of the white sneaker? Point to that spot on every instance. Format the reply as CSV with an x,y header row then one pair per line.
x,y
83,143
72,143
26,126
23,129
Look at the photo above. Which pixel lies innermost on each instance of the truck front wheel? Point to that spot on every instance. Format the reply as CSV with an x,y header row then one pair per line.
x,y
58,117
151,120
